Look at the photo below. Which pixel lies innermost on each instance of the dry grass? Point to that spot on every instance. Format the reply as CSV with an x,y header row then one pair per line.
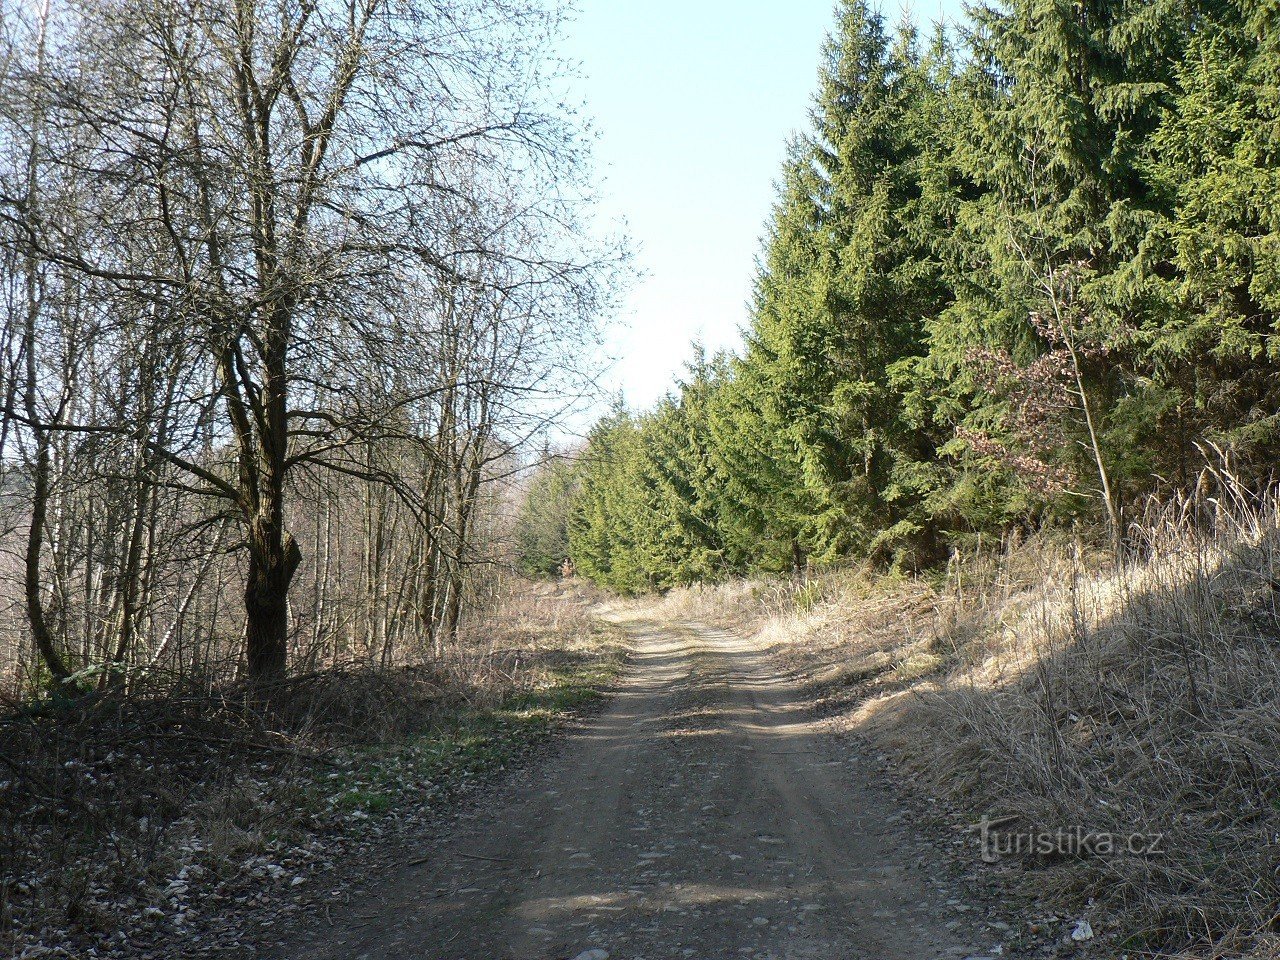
x,y
1044,684
108,802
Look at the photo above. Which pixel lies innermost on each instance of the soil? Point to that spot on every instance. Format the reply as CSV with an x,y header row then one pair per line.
x,y
706,812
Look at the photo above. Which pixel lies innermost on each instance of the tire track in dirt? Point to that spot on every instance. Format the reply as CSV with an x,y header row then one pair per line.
x,y
701,815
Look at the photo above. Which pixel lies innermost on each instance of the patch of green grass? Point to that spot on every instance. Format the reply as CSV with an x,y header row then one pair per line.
x,y
571,687
370,801
466,743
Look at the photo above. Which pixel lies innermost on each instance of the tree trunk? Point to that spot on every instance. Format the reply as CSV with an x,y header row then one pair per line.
x,y
799,565
41,467
43,636
1115,522
273,558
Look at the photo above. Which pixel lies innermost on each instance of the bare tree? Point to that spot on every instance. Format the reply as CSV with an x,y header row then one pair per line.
x,y
291,240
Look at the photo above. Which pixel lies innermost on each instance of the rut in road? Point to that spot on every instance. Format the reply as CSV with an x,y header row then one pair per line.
x,y
701,815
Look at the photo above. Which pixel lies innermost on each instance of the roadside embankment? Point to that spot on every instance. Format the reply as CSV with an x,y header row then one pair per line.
x,y
1061,697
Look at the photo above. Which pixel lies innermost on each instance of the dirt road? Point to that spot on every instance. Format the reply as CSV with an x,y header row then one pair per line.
x,y
701,815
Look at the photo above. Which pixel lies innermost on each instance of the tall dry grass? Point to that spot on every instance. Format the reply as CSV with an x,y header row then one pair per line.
x,y
1144,698
1043,684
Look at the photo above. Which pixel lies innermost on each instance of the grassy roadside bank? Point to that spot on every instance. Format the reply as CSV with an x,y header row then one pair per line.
x,y
471,741
1048,691
127,824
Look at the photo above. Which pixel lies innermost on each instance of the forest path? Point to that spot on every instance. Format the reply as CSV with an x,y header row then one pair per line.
x,y
703,814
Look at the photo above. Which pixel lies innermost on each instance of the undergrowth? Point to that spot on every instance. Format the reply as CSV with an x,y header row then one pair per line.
x,y
464,743
127,817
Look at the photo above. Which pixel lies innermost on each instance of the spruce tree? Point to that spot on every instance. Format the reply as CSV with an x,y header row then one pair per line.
x,y
845,285
1212,257
542,529
1059,97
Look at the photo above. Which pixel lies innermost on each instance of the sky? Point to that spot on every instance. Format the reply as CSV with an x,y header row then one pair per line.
x,y
693,102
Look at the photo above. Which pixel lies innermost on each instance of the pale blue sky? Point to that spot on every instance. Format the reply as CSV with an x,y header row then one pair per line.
x,y
694,101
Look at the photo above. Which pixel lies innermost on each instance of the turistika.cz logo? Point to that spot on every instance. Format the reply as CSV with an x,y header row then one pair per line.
x,y
1074,841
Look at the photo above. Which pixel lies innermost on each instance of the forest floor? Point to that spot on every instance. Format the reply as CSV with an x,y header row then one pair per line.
x,y
187,821
709,810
